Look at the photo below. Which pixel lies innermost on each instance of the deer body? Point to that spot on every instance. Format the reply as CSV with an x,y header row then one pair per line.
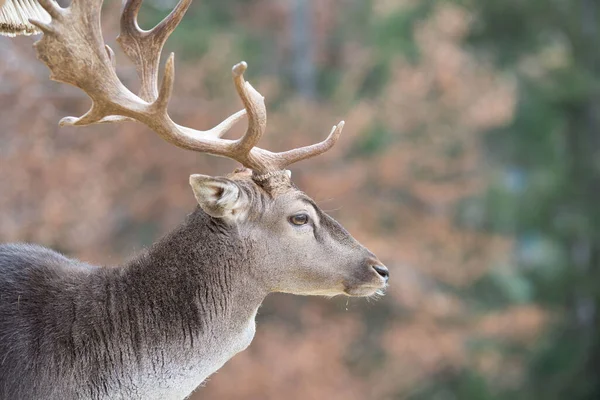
x,y
154,328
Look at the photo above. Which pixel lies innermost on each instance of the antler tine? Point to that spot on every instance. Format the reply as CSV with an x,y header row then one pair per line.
x,y
292,156
51,8
165,27
254,103
129,13
143,48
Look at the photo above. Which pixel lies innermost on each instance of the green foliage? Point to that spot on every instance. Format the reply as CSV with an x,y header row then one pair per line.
x,y
372,141
393,33
375,80
553,143
202,22
501,288
454,385
513,28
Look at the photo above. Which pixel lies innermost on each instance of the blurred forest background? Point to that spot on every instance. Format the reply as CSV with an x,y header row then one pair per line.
x,y
469,164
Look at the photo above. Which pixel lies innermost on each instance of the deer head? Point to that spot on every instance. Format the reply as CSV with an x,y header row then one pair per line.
x,y
301,249
304,251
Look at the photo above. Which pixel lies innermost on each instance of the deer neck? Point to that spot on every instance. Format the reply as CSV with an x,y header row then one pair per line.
x,y
192,287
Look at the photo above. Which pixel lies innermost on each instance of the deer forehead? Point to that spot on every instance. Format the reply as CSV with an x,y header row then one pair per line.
x,y
275,195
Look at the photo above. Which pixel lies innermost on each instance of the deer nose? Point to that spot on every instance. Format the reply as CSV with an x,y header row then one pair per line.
x,y
382,271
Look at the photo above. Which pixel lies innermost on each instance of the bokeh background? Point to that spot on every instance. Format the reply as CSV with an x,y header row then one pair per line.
x,y
470,164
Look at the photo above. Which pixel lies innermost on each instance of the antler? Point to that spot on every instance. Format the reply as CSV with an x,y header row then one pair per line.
x,y
73,49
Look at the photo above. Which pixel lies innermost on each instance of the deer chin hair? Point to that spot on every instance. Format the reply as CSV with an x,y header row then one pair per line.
x,y
365,291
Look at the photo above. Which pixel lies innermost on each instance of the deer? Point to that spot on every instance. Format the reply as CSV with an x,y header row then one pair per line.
x,y
158,325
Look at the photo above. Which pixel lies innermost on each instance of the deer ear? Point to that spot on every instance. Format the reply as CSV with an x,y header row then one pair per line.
x,y
219,197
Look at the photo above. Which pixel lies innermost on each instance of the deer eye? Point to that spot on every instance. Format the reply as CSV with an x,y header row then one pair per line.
x,y
299,219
